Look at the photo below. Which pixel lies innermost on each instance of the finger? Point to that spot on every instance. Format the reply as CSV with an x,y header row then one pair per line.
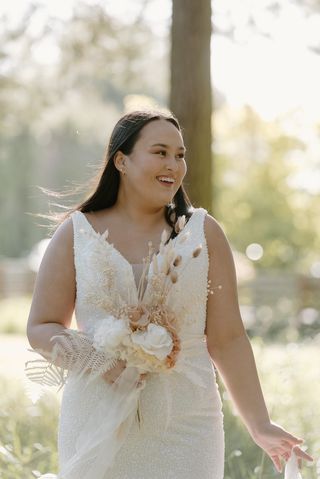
x,y
293,440
285,455
301,454
277,463
279,451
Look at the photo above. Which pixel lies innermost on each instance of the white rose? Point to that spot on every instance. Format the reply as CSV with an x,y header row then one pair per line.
x,y
110,333
155,340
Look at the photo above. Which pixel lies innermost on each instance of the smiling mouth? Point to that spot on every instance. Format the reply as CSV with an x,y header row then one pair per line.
x,y
166,183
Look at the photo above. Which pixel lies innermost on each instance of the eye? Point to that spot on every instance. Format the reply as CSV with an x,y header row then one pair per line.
x,y
161,152
180,156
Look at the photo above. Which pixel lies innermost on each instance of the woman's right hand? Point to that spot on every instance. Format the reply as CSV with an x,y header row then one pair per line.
x,y
112,375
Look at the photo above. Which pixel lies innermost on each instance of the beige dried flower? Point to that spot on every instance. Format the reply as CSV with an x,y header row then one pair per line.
x,y
177,260
164,236
164,266
180,224
174,277
197,251
138,316
155,264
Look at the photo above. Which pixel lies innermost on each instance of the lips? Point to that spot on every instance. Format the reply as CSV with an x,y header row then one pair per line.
x,y
166,185
165,180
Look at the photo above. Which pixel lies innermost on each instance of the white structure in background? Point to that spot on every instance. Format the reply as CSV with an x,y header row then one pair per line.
x,y
17,275
36,254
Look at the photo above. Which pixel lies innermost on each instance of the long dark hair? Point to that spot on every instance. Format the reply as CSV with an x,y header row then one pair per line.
x,y
106,184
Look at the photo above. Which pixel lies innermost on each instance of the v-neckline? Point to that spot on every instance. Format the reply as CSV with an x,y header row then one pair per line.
x,y
129,265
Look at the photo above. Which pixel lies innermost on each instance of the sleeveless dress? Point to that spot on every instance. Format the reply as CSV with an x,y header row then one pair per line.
x,y
181,432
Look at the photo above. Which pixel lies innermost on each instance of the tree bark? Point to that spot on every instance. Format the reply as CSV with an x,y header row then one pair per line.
x,y
191,95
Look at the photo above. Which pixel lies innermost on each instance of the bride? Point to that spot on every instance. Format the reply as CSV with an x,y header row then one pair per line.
x,y
153,285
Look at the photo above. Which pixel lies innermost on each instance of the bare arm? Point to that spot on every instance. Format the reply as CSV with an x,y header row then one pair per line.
x,y
54,294
231,351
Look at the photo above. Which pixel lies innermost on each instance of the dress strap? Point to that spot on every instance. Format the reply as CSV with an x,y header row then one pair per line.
x,y
80,236
197,225
80,222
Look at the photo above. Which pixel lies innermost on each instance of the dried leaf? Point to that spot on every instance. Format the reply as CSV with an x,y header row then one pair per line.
x,y
197,251
180,224
164,236
174,277
177,260
155,264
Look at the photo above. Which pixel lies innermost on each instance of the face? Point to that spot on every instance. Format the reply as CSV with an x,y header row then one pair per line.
x,y
156,166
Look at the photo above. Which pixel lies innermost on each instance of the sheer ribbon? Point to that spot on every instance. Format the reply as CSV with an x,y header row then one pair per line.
x,y
292,469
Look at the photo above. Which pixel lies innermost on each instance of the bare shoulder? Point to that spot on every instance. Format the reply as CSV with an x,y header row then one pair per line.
x,y
215,235
59,252
63,235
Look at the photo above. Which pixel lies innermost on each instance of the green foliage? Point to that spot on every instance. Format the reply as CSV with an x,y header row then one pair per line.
x,y
56,118
254,199
28,433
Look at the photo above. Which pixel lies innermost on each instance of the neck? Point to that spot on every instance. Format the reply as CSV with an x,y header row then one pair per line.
x,y
135,212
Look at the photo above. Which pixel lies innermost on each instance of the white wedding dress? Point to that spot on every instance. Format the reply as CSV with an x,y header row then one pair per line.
x,y
181,431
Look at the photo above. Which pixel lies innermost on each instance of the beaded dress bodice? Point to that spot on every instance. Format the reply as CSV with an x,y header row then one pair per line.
x,y
100,266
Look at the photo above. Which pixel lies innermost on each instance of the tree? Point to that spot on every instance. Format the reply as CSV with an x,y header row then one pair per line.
x,y
257,203
190,95
55,118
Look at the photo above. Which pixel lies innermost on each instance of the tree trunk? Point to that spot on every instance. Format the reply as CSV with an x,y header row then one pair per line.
x,y
190,96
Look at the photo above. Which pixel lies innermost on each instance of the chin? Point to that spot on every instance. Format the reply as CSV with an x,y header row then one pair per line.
x,y
161,200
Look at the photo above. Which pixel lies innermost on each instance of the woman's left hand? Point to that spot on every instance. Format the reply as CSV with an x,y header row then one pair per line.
x,y
278,444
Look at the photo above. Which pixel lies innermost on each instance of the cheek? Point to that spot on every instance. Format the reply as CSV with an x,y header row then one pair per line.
x,y
183,169
144,169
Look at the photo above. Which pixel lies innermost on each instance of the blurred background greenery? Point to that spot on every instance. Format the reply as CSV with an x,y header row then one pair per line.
x,y
68,70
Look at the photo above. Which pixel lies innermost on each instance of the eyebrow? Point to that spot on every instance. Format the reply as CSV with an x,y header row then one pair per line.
x,y
167,146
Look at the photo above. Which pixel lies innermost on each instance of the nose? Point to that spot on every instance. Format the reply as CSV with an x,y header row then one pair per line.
x,y
171,163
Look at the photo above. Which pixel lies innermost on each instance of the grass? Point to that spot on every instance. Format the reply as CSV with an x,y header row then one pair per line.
x,y
290,379
28,433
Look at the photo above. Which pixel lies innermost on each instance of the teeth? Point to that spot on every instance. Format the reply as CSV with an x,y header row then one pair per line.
x,y
165,178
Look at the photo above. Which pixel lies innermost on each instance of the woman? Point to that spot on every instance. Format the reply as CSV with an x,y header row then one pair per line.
x,y
139,194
